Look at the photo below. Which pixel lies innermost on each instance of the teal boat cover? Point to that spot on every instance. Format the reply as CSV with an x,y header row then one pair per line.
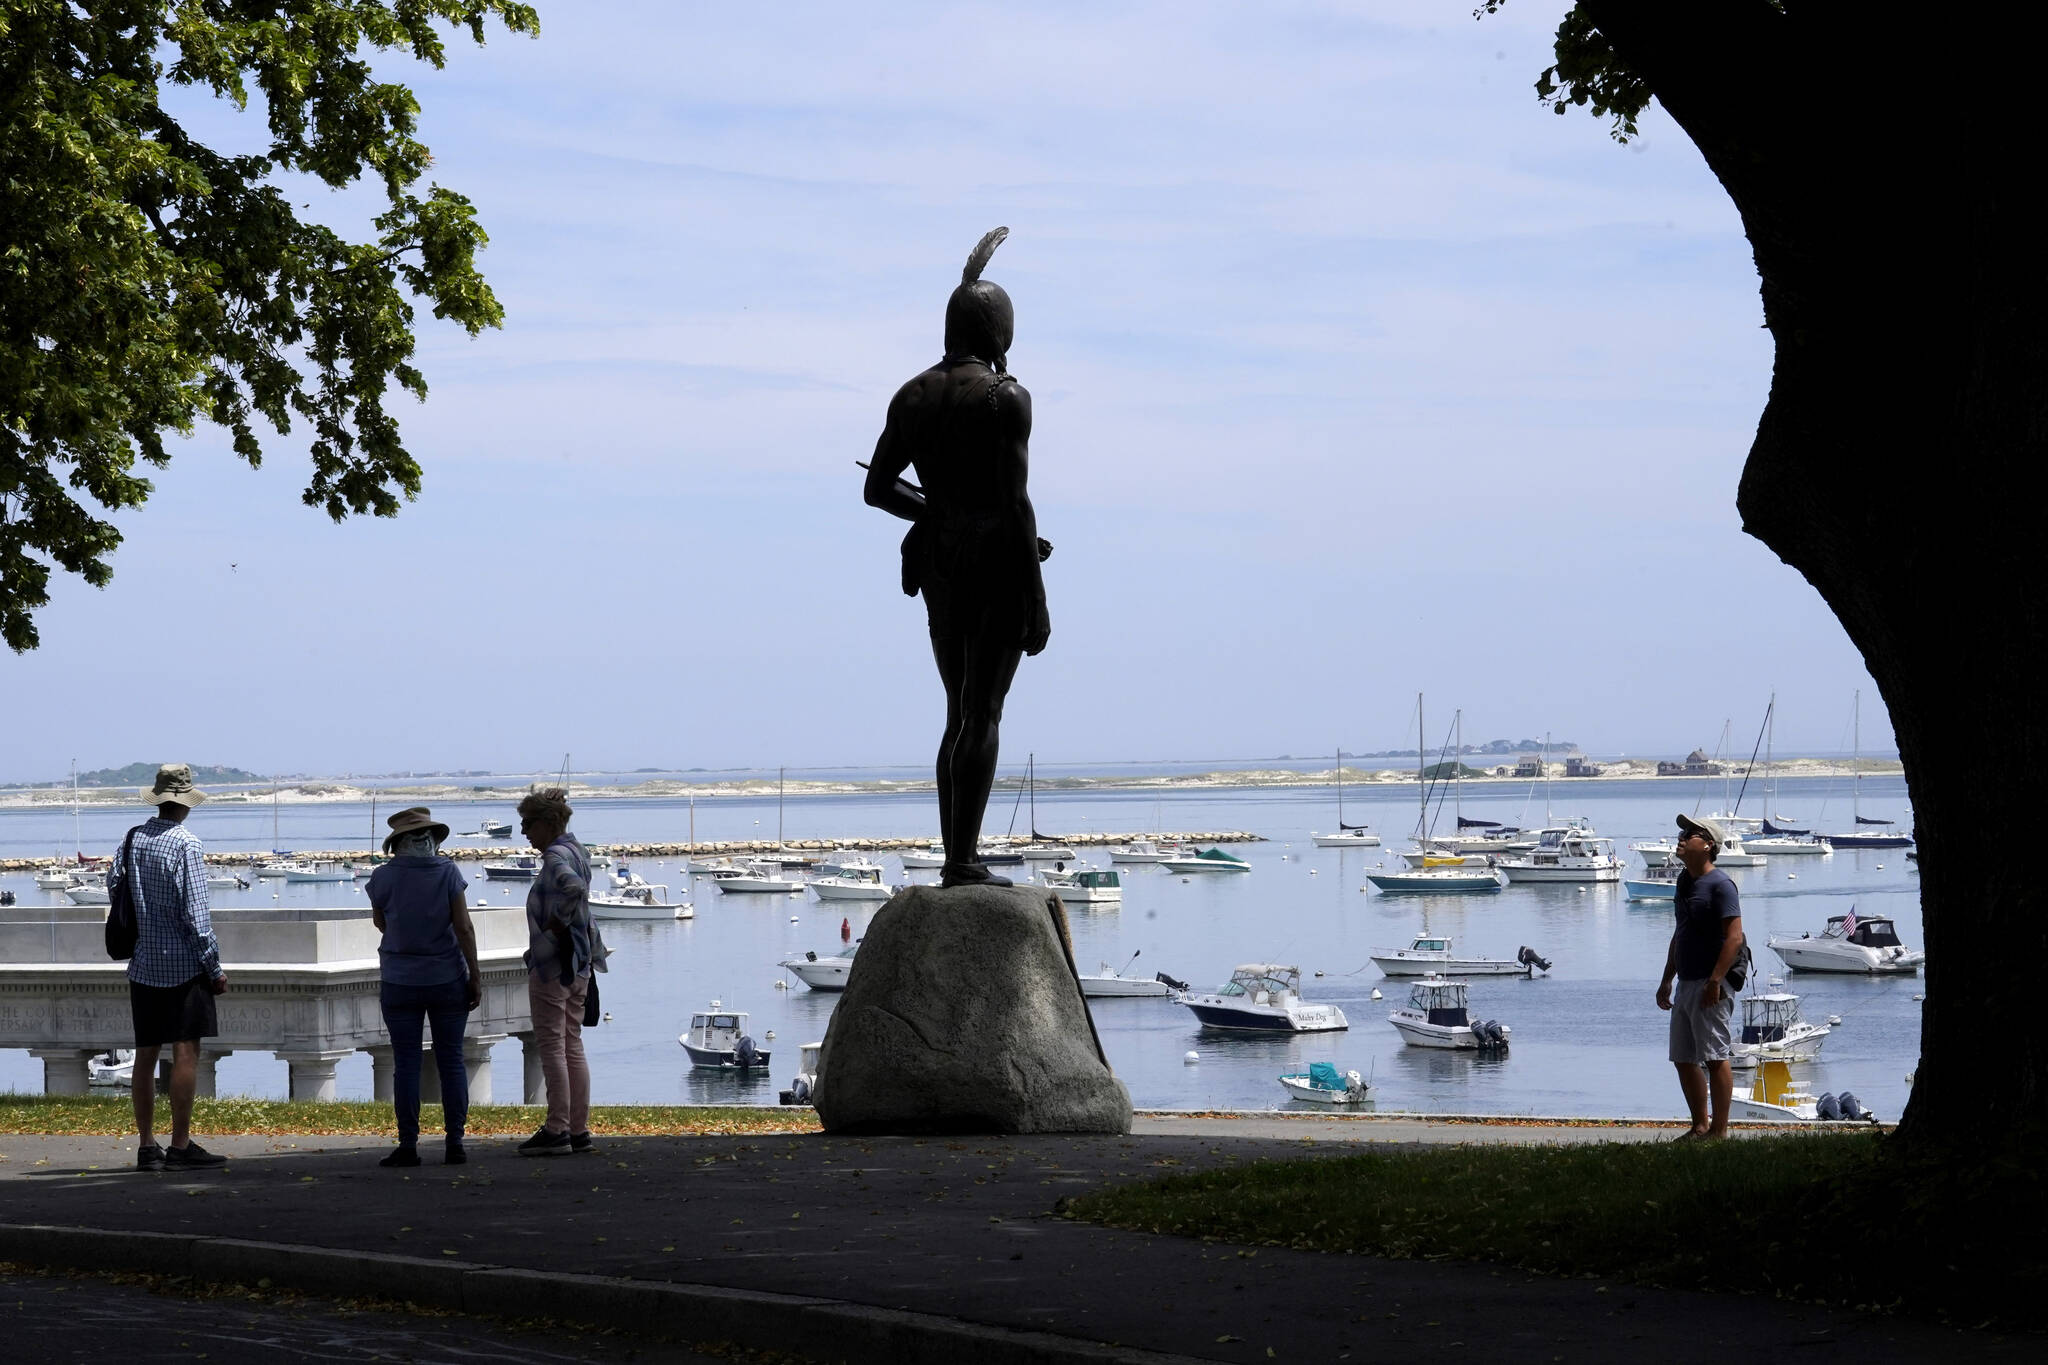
x,y
1323,1076
1219,855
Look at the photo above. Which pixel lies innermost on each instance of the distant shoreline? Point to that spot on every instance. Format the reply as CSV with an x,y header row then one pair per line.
x,y
335,792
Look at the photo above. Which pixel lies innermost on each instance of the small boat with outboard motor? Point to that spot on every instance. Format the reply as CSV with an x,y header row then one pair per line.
x,y
1431,955
1110,983
1264,997
1437,1016
1322,1083
717,1040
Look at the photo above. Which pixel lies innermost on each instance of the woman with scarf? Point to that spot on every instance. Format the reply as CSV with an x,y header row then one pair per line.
x,y
430,976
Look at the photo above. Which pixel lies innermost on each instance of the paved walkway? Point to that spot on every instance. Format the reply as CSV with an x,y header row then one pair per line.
x,y
884,1249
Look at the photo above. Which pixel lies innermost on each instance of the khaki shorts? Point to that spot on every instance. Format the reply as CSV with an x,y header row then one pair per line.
x,y
1700,1033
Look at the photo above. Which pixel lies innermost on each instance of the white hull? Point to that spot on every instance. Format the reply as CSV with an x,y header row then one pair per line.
x,y
1110,986
1728,857
1298,1088
1417,1031
1800,1044
1833,955
1757,1111
831,890
924,860
616,907
53,881
764,885
320,876
273,870
1443,964
1046,853
1089,895
1610,872
1204,865
1790,848
705,1059
825,974
88,895
1351,839
1143,851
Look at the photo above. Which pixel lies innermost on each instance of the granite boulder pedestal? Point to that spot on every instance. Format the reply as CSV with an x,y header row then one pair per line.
x,y
963,1014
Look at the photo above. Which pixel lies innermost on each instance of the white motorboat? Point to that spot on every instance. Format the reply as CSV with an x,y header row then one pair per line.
x,y
495,829
803,1089
1086,885
1214,860
275,868
1655,851
1322,1084
929,857
599,862
1431,955
853,883
85,893
1144,851
115,1066
717,1040
1865,946
709,867
362,872
1045,851
822,972
325,872
1772,1026
756,878
1566,855
226,882
1735,853
1345,835
1443,876
634,897
1773,1097
1436,1016
513,870
1109,983
1491,839
1264,997
55,878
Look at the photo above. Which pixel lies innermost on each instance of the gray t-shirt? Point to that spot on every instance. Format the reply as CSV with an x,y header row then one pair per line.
x,y
1704,905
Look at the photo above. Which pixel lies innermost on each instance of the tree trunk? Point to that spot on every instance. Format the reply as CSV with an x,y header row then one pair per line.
x,y
1897,463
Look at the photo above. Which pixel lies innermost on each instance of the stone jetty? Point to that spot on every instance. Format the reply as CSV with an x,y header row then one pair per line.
x,y
708,848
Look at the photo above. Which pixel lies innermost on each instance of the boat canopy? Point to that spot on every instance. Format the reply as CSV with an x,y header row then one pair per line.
x,y
1431,945
715,1021
1765,1018
1098,877
1874,931
1219,856
1270,977
1435,993
1324,1076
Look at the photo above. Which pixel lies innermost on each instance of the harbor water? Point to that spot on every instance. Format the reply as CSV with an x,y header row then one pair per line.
x,y
1588,1038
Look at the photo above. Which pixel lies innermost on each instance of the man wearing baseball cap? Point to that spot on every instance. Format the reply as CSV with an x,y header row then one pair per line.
x,y
1704,945
175,972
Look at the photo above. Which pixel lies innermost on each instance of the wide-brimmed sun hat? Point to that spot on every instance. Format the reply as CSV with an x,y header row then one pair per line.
x,y
410,819
174,784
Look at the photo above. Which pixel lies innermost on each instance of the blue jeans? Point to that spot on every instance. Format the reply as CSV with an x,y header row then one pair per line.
x,y
446,1008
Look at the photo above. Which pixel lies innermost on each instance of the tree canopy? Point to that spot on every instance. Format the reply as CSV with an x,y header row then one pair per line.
x,y
149,283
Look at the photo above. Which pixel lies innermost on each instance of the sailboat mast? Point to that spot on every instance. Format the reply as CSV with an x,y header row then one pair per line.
x,y
1770,742
778,809
1421,787
1543,761
1458,765
1856,760
1031,785
77,840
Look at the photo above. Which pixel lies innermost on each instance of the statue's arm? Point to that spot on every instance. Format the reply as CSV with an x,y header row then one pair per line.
x,y
885,487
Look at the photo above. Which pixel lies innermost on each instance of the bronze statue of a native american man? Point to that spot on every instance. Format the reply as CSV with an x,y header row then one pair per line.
x,y
973,549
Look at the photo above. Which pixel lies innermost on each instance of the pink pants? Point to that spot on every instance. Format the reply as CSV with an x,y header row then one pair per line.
x,y
558,1037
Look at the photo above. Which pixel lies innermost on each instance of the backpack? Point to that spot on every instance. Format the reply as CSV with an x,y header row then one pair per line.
x,y
122,929
1738,970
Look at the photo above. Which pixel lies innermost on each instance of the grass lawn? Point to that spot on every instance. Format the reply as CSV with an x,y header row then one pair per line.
x,y
112,1116
1840,1218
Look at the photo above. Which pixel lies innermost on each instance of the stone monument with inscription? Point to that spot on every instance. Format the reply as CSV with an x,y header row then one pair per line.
x,y
963,1012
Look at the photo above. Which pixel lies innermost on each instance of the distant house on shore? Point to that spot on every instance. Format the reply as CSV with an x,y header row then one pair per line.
x,y
1578,765
1696,764
1530,766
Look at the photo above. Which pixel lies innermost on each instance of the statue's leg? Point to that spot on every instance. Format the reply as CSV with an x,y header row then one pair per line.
x,y
985,681
951,656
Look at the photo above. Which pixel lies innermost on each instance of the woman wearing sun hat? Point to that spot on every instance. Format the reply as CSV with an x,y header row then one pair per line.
x,y
430,976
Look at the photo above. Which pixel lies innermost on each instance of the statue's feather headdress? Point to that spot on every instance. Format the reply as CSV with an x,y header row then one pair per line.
x,y
977,259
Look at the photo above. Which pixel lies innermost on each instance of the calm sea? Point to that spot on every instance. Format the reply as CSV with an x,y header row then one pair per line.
x,y
1588,1038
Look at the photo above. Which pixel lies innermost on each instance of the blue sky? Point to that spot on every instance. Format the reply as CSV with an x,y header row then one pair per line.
x,y
1356,374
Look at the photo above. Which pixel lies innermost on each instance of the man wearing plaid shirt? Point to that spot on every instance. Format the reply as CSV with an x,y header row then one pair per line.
x,y
175,972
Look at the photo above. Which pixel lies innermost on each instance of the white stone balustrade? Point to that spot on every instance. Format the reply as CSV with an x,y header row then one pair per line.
x,y
302,984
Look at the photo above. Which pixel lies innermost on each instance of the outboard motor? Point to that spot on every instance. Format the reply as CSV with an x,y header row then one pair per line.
x,y
6,898
1170,983
1852,1108
1529,957
744,1053
1489,1035
810,956
1828,1108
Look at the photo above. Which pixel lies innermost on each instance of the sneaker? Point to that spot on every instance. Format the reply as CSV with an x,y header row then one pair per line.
x,y
402,1156
581,1145
192,1157
544,1143
149,1157
456,1154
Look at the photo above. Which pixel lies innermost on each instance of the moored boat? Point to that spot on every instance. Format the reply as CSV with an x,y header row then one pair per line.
x,y
1863,946
822,971
1437,1016
1430,954
717,1040
1211,860
850,882
1264,997
1323,1084
1772,1026
1566,855
1443,876
1086,885
513,870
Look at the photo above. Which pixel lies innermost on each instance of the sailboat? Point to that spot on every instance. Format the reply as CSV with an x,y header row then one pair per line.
x,y
1449,874
1863,836
1778,840
281,862
1347,836
784,855
1040,849
1476,836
